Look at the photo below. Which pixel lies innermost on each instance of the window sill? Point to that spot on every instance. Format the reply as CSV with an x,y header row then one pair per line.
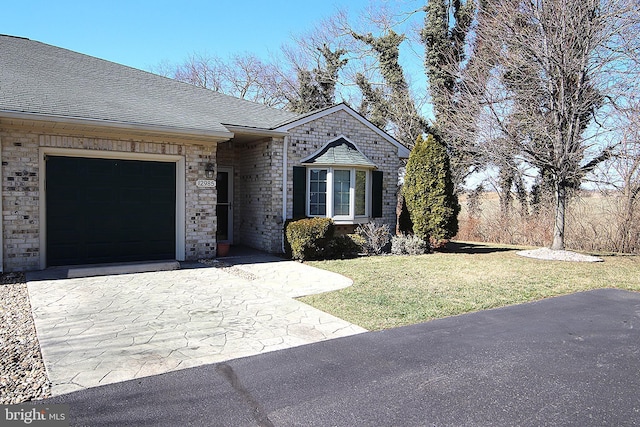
x,y
359,220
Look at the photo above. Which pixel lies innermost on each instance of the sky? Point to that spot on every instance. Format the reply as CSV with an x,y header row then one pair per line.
x,y
145,33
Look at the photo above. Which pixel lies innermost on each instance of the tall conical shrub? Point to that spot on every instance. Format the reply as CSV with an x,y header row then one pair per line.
x,y
429,192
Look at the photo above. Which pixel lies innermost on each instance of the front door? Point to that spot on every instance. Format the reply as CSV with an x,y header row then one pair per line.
x,y
224,208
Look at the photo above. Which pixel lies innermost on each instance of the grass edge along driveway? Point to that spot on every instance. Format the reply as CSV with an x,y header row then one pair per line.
x,y
391,291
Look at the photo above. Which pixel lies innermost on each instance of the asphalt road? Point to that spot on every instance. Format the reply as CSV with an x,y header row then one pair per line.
x,y
570,361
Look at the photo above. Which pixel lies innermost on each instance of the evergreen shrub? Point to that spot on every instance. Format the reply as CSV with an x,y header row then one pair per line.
x,y
309,237
429,192
343,246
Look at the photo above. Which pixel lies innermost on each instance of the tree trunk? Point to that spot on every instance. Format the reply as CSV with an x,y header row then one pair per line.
x,y
403,219
558,228
626,238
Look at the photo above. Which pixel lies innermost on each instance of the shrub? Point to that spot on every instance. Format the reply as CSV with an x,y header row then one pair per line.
x,y
343,246
429,191
408,245
375,237
309,237
358,240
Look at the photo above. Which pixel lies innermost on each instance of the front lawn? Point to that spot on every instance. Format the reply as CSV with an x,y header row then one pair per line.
x,y
391,291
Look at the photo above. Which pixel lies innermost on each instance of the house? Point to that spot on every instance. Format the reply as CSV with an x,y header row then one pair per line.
x,y
105,163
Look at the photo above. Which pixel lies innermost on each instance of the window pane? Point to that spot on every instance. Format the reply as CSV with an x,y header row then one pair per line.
x,y
341,186
318,192
361,192
222,185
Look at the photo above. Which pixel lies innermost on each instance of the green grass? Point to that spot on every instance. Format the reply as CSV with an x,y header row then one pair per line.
x,y
391,291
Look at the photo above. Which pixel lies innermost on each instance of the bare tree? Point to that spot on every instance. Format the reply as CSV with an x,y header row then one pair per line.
x,y
202,71
302,77
548,77
628,167
315,88
326,65
447,23
622,175
243,76
400,105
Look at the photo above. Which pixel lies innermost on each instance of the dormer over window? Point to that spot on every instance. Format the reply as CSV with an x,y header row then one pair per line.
x,y
338,182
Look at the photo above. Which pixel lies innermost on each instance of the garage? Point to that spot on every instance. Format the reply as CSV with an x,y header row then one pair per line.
x,y
109,210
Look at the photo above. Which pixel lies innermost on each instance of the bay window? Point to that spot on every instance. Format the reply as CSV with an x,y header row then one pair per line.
x,y
361,193
317,192
338,181
337,192
341,192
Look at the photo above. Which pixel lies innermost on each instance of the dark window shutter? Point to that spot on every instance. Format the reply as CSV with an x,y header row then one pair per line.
x,y
376,196
299,192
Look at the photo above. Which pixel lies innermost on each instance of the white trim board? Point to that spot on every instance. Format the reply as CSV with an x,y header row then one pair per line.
x,y
76,152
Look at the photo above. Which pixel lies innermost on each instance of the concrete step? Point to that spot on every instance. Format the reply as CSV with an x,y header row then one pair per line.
x,y
76,271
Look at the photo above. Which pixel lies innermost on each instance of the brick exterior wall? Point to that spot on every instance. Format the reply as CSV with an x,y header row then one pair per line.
x,y
20,201
257,202
21,195
308,138
259,196
201,220
258,175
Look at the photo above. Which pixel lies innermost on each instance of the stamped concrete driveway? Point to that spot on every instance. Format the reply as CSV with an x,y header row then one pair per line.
x,y
566,361
101,330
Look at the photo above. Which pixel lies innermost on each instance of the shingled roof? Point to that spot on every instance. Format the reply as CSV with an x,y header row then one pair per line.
x,y
339,152
44,80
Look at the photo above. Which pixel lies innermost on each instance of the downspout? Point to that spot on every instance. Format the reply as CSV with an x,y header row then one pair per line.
x,y
285,162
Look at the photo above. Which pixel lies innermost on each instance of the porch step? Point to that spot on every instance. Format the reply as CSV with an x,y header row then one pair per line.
x,y
124,268
77,271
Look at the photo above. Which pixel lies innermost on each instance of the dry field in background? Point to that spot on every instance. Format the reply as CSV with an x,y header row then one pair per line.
x,y
594,223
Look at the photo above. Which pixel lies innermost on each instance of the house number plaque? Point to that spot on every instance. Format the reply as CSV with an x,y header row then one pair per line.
x,y
206,183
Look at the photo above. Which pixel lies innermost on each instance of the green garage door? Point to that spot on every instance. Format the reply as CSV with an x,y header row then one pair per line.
x,y
105,210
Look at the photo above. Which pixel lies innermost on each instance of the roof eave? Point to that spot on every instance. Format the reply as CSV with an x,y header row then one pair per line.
x,y
213,135
339,165
253,131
